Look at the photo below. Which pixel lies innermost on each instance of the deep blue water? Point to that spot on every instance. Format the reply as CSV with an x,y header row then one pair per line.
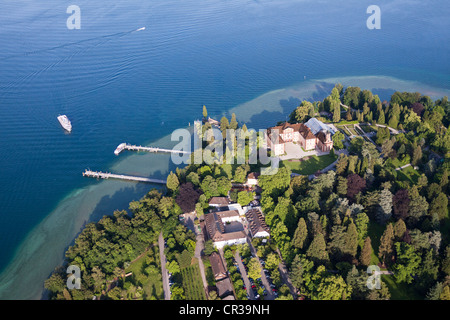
x,y
117,85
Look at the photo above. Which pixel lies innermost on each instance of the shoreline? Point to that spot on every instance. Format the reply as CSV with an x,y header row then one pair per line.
x,y
43,248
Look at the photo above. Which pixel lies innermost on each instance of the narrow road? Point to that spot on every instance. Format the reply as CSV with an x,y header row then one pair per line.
x,y
270,295
285,276
164,272
198,254
247,283
402,167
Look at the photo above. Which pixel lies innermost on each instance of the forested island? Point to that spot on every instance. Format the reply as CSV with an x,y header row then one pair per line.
x,y
384,204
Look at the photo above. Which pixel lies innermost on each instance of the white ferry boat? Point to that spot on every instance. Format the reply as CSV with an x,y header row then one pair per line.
x,y
65,122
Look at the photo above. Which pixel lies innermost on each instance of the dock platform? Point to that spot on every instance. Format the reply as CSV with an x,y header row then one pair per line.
x,y
107,175
126,146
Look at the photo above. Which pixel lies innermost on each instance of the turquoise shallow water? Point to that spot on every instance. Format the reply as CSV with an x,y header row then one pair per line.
x,y
117,85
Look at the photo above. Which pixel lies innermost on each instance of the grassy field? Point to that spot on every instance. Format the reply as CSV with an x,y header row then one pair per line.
x,y
400,291
151,283
311,165
408,174
192,283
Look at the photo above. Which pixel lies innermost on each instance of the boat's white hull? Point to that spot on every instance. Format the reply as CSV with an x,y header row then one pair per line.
x,y
65,123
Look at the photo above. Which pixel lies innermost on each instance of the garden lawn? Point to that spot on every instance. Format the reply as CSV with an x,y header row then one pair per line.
x,y
152,283
311,165
408,174
400,291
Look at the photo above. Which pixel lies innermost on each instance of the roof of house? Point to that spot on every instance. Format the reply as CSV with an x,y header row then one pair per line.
x,y
306,132
256,221
221,201
216,230
227,214
297,127
322,136
217,265
253,175
213,226
224,287
316,126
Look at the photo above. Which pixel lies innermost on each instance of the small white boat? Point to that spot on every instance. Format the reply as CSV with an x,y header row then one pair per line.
x,y
65,122
140,29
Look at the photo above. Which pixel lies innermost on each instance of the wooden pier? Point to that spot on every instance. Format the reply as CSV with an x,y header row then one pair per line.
x,y
107,175
126,146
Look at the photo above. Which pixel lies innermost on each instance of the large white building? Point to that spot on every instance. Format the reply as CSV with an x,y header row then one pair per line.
x,y
214,228
310,135
256,224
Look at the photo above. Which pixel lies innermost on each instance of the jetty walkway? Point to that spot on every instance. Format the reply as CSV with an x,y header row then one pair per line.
x,y
107,175
126,146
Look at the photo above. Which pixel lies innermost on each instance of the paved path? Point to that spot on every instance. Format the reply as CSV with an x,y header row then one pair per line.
x,y
165,274
392,130
384,272
247,283
402,167
270,295
285,276
198,254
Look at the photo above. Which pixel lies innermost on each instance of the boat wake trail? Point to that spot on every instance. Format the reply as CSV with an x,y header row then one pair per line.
x,y
66,45
62,55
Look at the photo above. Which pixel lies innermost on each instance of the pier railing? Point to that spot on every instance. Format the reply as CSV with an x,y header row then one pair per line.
x,y
107,175
126,146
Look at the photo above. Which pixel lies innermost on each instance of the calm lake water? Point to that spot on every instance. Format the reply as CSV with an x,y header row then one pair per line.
x,y
117,85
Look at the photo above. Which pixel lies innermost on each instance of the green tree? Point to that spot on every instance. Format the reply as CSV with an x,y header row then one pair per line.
x,y
317,250
240,174
407,264
351,239
341,187
224,125
338,139
386,248
193,178
362,225
245,197
417,155
300,273
337,113
383,134
381,118
446,261
301,113
172,182
393,122
254,268
272,261
329,287
209,247
233,122
439,206
173,267
342,164
399,229
418,206
366,252
223,185
209,187
205,112
55,283
199,209
384,210
300,235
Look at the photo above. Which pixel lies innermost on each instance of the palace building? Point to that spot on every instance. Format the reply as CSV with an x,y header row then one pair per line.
x,y
313,134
